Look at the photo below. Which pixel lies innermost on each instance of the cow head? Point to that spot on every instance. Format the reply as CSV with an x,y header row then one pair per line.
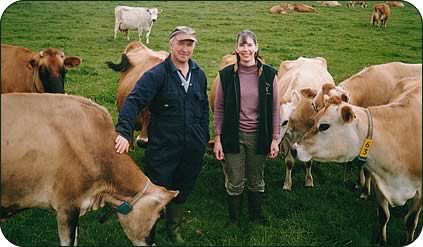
x,y
335,135
302,117
154,13
49,69
139,222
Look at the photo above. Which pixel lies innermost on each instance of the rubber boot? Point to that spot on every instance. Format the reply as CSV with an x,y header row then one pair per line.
x,y
234,208
174,217
255,211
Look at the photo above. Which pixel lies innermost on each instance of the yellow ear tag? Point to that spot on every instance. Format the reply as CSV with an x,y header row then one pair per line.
x,y
365,148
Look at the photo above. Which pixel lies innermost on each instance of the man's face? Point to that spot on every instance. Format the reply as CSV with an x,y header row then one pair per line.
x,y
182,50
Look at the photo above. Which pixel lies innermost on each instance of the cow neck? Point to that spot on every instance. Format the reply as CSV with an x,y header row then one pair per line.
x,y
361,159
125,207
34,80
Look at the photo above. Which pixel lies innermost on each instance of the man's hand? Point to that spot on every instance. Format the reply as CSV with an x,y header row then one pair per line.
x,y
122,145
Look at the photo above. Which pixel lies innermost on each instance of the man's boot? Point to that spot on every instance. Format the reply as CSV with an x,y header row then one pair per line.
x,y
255,211
174,217
234,208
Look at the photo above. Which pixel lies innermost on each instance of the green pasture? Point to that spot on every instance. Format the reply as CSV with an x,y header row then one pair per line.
x,y
330,214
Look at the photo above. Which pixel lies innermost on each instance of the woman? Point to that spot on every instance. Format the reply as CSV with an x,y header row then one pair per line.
x,y
247,125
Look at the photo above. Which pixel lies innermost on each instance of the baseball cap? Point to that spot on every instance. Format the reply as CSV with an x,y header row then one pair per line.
x,y
183,33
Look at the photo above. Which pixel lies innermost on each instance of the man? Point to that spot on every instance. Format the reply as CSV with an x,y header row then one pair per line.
x,y
176,93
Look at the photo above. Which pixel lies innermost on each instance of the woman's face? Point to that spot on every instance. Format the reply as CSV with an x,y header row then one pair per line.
x,y
246,50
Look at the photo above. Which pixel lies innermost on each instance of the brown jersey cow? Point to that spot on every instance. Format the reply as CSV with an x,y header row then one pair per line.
x,y
58,152
23,70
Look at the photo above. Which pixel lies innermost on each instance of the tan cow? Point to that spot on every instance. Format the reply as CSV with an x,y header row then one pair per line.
x,y
299,7
352,4
305,75
23,70
341,132
136,60
384,83
68,163
395,3
281,8
330,3
380,15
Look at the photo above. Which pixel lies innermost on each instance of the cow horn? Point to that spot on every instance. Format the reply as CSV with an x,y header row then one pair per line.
x,y
41,53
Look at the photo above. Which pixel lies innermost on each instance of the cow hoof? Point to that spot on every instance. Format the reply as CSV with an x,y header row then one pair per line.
x,y
141,143
286,188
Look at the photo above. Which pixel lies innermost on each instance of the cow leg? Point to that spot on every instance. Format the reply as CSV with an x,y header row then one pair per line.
x,y
127,34
308,177
142,138
140,34
412,218
147,35
117,23
366,185
67,222
289,164
383,215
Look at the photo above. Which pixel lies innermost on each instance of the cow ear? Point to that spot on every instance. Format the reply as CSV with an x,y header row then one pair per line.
x,y
72,62
295,97
347,114
308,92
160,11
284,67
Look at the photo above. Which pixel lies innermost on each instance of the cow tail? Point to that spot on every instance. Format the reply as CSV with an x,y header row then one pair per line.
x,y
122,66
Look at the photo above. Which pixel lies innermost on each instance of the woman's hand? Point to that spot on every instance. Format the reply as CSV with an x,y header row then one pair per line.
x,y
122,145
274,149
218,149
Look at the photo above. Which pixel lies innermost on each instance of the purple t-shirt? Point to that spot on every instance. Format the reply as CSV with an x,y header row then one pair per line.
x,y
249,110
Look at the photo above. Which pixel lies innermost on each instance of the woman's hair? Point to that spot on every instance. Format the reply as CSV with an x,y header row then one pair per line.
x,y
242,37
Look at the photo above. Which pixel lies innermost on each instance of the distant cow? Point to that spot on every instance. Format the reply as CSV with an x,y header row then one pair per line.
x,y
330,3
380,15
68,163
305,75
281,9
394,157
395,3
23,70
135,18
136,60
352,4
299,7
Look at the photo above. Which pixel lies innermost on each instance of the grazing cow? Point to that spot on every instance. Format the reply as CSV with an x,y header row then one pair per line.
x,y
135,18
342,132
395,4
380,15
352,4
281,9
383,81
306,74
330,3
69,163
23,70
136,60
299,7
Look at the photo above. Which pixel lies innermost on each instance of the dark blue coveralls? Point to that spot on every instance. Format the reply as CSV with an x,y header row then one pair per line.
x,y
178,131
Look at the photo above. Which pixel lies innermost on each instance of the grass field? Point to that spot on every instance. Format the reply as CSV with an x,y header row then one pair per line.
x,y
330,214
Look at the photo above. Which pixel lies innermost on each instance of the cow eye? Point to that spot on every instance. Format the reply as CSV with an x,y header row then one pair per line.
x,y
284,123
323,127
